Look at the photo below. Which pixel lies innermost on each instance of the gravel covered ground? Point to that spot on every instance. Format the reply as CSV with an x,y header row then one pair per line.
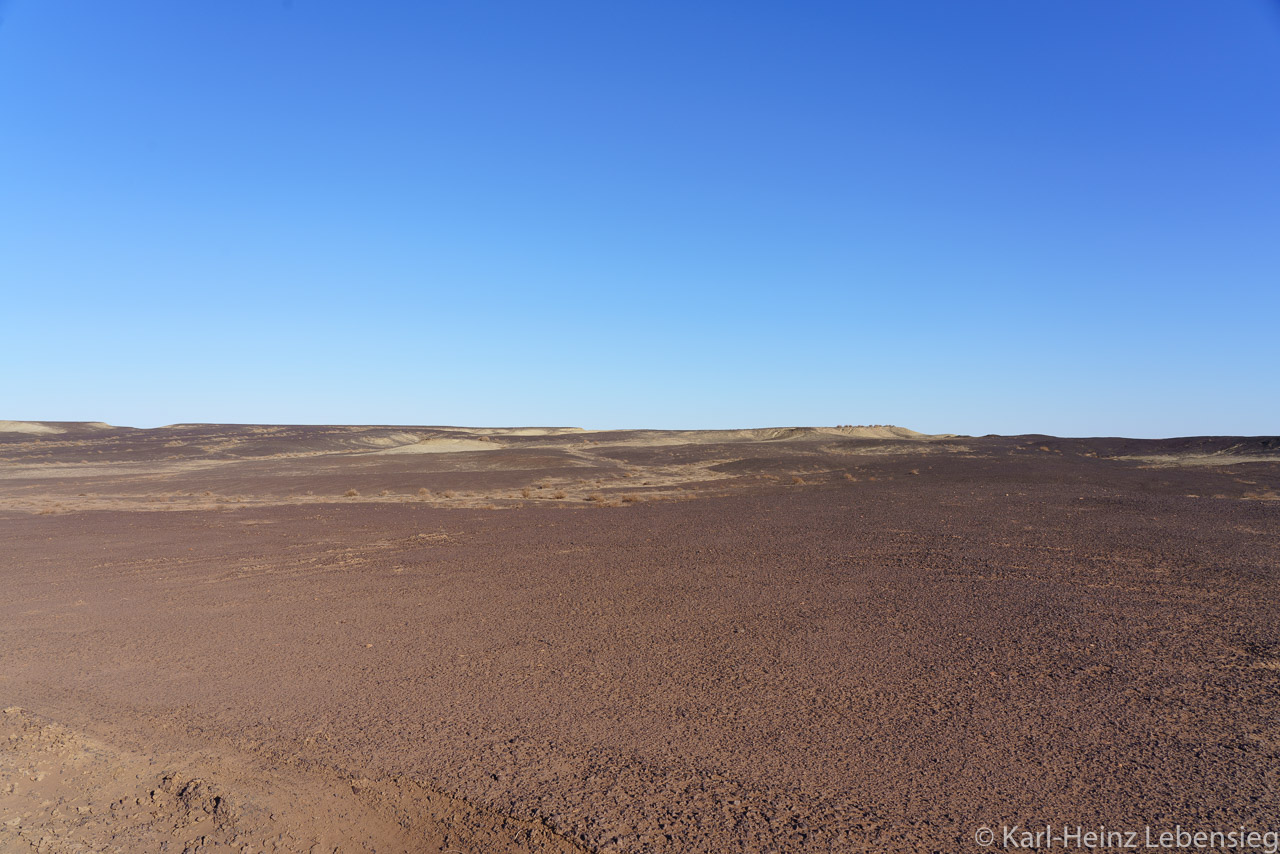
x,y
807,644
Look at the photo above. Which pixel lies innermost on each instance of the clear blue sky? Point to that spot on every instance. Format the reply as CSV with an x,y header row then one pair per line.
x,y
1059,216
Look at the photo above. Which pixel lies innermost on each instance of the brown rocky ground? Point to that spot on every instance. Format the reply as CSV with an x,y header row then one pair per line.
x,y
508,641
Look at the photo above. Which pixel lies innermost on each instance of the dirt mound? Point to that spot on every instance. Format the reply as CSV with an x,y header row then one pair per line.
x,y
62,791
57,788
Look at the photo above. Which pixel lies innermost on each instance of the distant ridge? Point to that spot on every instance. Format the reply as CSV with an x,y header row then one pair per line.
x,y
51,427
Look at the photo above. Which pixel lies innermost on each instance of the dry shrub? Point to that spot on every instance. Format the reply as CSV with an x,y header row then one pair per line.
x,y
631,499
797,480
526,492
850,478
352,493
595,496
385,492
914,471
559,493
424,493
448,493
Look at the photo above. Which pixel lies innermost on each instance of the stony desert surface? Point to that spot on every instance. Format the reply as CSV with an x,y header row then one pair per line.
x,y
219,638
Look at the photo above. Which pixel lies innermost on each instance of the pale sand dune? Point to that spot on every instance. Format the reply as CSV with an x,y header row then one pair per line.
x,y
761,434
442,446
526,431
389,442
404,443
28,427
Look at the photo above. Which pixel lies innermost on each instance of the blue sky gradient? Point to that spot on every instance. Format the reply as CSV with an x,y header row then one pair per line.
x,y
992,216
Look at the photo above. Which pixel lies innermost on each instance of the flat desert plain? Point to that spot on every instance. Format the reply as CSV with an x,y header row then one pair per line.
x,y
429,639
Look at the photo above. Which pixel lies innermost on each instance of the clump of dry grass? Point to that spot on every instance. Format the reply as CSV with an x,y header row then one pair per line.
x,y
914,471
797,480
352,493
559,493
526,492
424,493
448,493
850,478
385,492
631,499
1261,495
595,496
